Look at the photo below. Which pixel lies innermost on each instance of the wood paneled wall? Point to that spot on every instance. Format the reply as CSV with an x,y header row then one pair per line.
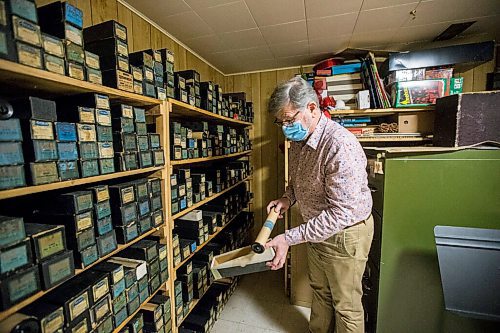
x,y
268,154
142,35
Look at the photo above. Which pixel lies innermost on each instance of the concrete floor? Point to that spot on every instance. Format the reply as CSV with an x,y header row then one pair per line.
x,y
259,305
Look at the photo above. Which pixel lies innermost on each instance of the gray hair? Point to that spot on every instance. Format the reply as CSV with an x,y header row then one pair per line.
x,y
296,92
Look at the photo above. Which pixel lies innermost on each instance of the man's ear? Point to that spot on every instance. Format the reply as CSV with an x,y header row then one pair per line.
x,y
312,107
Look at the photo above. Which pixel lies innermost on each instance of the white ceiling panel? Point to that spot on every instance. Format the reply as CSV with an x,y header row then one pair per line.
x,y
162,8
257,53
372,4
331,26
270,12
229,17
449,10
366,39
176,25
243,39
323,8
284,33
329,45
201,4
241,35
210,44
290,49
383,18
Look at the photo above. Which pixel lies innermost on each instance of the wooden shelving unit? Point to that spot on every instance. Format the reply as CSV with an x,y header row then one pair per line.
x,y
19,79
21,191
38,295
198,248
183,110
204,201
208,159
378,112
125,322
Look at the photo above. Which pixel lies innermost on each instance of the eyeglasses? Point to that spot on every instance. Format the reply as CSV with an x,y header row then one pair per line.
x,y
286,123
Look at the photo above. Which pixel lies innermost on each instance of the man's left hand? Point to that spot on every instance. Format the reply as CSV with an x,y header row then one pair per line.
x,y
281,248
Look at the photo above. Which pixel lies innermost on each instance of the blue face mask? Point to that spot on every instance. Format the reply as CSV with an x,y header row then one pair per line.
x,y
296,132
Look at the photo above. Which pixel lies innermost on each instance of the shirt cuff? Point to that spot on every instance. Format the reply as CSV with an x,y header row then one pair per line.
x,y
294,236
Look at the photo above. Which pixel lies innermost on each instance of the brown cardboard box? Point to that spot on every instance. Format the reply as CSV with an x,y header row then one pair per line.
x,y
418,122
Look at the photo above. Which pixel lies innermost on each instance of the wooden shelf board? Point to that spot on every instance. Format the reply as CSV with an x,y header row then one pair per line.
x,y
4,314
388,139
180,109
202,202
21,191
378,112
20,78
125,322
206,159
198,248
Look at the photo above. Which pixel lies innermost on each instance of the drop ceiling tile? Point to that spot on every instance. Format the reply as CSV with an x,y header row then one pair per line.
x,y
176,25
383,18
487,24
299,60
290,49
367,39
155,9
323,8
243,39
206,44
331,26
284,33
200,4
449,10
330,44
229,17
372,4
266,12
257,53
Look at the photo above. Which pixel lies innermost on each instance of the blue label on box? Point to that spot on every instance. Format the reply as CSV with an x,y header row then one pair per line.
x,y
24,8
66,131
103,209
132,232
120,317
23,285
89,255
11,153
12,176
118,288
11,230
73,15
104,225
45,150
67,151
10,130
183,203
3,44
143,295
144,208
14,258
68,170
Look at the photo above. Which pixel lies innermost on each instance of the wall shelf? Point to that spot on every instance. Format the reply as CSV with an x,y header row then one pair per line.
x,y
4,314
21,191
198,248
19,79
204,201
378,112
181,110
207,159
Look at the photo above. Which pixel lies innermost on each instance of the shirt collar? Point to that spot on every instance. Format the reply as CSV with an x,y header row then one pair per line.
x,y
313,140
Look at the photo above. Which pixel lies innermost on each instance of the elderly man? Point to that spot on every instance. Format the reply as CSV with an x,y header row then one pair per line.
x,y
329,182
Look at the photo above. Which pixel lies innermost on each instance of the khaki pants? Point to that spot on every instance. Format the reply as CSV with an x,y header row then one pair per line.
x,y
336,267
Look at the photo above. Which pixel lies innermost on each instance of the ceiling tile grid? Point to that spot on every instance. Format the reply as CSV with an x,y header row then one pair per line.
x,y
241,35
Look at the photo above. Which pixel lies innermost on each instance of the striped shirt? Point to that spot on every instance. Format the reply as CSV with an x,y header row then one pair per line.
x,y
328,180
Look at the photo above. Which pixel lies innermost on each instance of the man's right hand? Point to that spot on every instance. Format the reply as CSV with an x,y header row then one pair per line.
x,y
280,205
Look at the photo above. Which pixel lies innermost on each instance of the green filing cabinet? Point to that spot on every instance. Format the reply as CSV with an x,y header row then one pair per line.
x,y
415,189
